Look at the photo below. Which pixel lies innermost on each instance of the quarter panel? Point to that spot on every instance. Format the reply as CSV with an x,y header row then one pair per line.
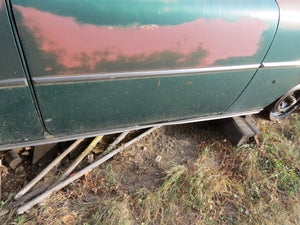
x,y
266,87
274,80
286,45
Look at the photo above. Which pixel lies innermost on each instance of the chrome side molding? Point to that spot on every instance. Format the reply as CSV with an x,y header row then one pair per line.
x,y
12,83
281,64
127,75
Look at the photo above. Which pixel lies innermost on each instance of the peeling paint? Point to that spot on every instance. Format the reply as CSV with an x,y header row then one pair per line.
x,y
84,47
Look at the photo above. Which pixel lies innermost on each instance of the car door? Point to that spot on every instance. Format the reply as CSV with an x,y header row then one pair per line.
x,y
100,65
18,118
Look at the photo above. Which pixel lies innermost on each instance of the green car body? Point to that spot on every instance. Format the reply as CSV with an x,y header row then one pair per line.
x,y
72,68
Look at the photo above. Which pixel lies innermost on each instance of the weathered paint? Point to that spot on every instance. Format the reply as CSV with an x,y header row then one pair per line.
x,y
145,36
192,44
75,37
18,118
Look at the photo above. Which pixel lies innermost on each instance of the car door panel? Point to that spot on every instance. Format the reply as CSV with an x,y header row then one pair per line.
x,y
97,65
131,102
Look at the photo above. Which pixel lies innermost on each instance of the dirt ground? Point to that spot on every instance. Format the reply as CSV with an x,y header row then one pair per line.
x,y
142,166
145,160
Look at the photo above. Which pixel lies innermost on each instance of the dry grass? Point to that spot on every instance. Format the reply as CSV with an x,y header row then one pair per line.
x,y
224,185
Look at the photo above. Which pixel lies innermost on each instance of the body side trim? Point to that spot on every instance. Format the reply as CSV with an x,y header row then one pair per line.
x,y
281,64
13,83
126,75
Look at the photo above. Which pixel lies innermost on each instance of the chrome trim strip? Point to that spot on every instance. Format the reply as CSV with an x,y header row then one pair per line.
x,y
12,83
126,75
281,64
50,139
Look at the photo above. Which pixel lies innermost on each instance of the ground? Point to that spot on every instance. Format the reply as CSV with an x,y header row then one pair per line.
x,y
183,174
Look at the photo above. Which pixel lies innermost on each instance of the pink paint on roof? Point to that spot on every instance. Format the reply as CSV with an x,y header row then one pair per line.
x,y
69,40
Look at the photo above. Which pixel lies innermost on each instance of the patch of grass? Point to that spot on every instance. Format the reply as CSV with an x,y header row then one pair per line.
x,y
112,211
223,185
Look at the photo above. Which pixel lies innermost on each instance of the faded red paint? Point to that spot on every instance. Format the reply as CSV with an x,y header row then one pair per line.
x,y
69,41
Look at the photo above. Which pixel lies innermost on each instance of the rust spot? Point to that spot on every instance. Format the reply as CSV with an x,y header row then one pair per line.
x,y
48,68
158,83
190,82
126,92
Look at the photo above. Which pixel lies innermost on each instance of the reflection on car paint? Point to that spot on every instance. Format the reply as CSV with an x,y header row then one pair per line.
x,y
89,48
289,13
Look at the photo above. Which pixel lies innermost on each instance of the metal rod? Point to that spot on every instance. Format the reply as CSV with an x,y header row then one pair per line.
x,y
114,144
80,158
80,173
29,196
25,189
39,190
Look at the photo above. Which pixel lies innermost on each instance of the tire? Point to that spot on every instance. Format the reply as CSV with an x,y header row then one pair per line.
x,y
286,105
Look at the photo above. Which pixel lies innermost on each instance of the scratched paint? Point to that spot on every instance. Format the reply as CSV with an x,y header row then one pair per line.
x,y
79,47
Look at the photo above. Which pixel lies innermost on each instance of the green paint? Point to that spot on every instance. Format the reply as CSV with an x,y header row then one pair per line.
x,y
18,118
103,105
128,12
9,61
266,87
286,46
